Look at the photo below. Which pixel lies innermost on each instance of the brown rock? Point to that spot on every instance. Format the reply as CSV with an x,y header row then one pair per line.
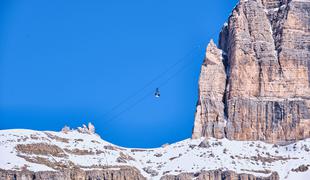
x,y
209,119
267,83
117,173
218,175
40,149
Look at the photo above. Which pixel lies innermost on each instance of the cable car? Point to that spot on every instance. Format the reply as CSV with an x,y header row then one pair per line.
x,y
157,93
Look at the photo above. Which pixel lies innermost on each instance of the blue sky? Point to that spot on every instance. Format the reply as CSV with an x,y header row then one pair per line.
x,y
71,61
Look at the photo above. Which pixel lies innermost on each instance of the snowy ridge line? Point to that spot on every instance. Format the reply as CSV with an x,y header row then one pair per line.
x,y
89,151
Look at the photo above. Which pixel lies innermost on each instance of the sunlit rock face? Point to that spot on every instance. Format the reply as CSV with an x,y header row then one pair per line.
x,y
122,173
209,119
218,175
266,55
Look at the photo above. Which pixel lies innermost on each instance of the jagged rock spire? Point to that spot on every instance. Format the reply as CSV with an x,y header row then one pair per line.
x,y
209,118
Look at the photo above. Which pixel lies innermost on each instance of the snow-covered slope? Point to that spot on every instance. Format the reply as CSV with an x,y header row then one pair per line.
x,y
47,151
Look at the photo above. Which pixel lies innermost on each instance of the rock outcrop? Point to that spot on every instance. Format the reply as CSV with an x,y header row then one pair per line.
x,y
218,175
210,119
266,57
118,173
126,173
90,129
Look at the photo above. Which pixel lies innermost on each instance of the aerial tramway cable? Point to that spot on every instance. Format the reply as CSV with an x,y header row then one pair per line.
x,y
148,84
185,66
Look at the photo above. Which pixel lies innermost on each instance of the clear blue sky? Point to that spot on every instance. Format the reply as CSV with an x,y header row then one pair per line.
x,y
70,61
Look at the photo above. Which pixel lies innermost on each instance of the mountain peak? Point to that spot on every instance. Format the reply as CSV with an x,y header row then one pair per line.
x,y
260,88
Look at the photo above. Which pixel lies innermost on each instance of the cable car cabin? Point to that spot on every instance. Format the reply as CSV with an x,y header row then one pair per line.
x,y
157,93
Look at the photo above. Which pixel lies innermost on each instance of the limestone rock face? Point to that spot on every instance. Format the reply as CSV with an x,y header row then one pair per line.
x,y
266,46
209,119
218,175
126,173
123,173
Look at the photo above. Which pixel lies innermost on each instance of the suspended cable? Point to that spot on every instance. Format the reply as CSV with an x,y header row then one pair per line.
x,y
175,74
180,60
150,93
130,107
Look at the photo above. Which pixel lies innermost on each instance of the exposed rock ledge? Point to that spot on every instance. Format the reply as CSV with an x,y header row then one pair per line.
x,y
218,175
114,173
124,173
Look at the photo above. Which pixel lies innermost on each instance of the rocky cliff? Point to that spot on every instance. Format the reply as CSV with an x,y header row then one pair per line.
x,y
119,173
218,175
256,84
128,173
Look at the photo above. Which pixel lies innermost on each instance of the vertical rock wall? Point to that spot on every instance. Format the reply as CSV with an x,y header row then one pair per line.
x,y
266,46
123,173
209,119
218,175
